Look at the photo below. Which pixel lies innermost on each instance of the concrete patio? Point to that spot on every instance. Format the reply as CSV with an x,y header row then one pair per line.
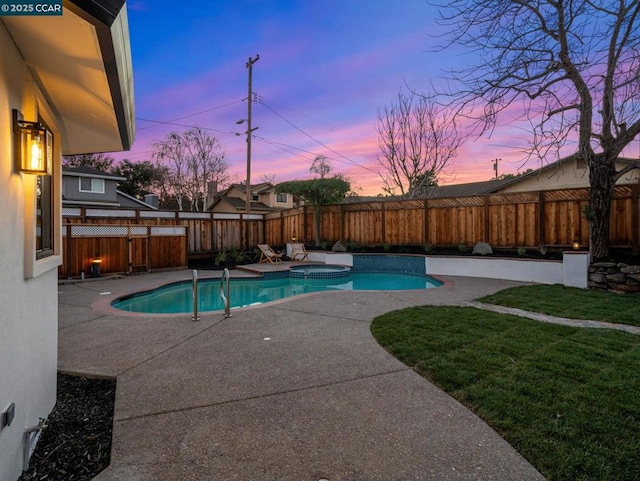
x,y
297,389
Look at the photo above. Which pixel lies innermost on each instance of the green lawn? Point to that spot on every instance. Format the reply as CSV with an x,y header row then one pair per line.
x,y
572,303
568,399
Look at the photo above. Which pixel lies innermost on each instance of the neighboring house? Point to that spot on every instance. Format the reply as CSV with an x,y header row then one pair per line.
x,y
88,187
66,87
264,199
567,173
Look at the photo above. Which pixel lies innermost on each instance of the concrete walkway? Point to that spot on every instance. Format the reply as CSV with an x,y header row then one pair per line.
x,y
294,390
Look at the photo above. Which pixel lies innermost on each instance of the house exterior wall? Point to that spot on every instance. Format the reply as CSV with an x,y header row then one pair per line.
x,y
569,175
224,208
270,198
71,190
28,287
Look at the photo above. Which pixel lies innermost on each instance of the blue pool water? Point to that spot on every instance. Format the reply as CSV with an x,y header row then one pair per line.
x,y
177,298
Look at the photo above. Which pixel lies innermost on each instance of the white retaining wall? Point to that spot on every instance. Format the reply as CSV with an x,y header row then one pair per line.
x,y
571,271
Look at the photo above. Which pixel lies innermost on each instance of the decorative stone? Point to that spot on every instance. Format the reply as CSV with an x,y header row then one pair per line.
x,y
338,247
630,269
598,278
619,277
605,265
622,288
482,248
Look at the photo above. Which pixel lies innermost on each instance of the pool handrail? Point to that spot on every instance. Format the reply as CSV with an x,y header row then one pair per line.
x,y
225,298
194,292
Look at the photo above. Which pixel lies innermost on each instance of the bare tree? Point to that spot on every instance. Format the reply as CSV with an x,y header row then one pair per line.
x,y
206,163
320,166
171,153
573,67
418,139
193,159
99,161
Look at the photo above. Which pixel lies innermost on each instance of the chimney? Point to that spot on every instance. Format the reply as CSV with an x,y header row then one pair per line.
x,y
153,200
212,190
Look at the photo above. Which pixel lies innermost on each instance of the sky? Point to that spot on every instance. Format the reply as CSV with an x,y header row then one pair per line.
x,y
326,68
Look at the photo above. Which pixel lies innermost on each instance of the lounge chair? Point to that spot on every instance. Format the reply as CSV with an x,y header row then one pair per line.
x,y
298,252
267,254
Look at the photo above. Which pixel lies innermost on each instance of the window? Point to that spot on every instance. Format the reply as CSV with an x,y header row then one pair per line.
x,y
88,184
255,197
44,217
281,198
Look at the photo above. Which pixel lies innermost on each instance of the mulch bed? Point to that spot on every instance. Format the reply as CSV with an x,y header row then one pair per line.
x,y
76,444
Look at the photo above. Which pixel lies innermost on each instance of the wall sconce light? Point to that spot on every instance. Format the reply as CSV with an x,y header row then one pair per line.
x,y
95,267
576,245
293,237
32,144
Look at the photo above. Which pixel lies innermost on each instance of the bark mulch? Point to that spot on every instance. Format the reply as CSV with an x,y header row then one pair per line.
x,y
76,443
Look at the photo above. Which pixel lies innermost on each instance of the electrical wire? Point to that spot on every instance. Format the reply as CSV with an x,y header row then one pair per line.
x,y
348,160
169,122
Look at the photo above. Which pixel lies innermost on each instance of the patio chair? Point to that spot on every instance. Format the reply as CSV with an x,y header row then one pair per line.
x,y
267,254
298,252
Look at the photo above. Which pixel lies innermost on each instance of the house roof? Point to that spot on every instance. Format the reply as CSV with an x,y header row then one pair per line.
x,y
256,188
466,190
134,200
239,204
81,61
89,172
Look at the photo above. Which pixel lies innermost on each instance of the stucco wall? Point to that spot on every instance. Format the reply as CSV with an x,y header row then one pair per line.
x,y
29,314
569,175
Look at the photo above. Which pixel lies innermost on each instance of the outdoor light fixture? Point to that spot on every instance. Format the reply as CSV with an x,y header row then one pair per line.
x,y
293,237
32,146
95,267
576,245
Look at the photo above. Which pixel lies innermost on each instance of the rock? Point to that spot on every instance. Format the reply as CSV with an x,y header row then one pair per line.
x,y
622,288
604,265
598,278
631,269
482,248
338,247
616,278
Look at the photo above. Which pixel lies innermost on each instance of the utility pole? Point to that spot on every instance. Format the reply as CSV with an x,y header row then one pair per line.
x,y
495,165
249,65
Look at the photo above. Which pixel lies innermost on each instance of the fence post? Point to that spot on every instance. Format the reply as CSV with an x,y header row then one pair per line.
x,y
282,229
425,239
383,222
69,249
342,221
635,219
304,223
487,222
542,229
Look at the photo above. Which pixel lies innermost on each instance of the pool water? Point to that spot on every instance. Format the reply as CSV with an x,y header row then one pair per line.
x,y
177,298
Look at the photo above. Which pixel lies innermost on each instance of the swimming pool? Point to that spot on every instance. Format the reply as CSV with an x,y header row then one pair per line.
x,y
178,298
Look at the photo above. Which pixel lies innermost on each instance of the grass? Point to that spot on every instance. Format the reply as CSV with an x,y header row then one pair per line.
x,y
566,398
571,302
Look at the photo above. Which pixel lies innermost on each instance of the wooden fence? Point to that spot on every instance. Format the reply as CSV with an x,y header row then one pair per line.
x,y
130,240
127,240
528,219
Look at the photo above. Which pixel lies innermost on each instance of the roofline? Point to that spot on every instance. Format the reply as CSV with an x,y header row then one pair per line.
x,y
103,15
94,203
69,173
135,199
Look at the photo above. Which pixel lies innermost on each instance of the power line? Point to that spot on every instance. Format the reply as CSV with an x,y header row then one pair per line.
x,y
348,160
305,118
169,122
183,125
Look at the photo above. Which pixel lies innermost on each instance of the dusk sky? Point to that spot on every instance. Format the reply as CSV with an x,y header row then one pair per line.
x,y
326,67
